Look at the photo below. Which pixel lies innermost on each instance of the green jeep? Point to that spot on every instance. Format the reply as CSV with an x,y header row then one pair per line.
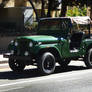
x,y
58,40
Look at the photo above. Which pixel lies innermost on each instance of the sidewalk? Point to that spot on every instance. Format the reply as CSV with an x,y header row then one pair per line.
x,y
3,60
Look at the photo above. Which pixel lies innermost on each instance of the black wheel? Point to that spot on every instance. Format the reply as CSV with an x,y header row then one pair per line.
x,y
16,65
46,63
64,62
88,58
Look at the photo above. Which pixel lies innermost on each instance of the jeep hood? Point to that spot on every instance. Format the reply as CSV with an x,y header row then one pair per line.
x,y
40,38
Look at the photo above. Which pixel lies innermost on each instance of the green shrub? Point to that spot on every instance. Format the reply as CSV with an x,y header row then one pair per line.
x,y
77,11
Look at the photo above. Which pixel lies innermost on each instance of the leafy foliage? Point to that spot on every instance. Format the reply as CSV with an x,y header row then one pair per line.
x,y
77,11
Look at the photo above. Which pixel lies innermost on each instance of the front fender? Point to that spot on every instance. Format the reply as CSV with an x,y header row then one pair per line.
x,y
47,46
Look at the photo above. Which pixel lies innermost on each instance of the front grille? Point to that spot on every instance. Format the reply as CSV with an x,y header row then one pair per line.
x,y
23,46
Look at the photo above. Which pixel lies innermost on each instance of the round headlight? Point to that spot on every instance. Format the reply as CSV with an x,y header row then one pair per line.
x,y
30,44
16,43
12,52
12,42
26,53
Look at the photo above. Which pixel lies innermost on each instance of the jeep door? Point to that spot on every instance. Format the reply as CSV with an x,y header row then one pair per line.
x,y
65,51
65,30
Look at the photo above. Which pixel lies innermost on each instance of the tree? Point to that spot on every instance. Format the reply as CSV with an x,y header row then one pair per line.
x,y
49,8
66,3
42,8
52,5
3,3
91,11
89,3
64,8
37,18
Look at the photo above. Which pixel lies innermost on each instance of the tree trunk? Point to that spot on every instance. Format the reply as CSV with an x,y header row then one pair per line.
x,y
63,9
50,2
42,9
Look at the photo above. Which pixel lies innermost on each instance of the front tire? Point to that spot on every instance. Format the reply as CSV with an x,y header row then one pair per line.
x,y
88,58
46,63
16,65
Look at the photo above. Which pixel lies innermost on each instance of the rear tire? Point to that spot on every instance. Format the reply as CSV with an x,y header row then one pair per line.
x,y
16,65
88,58
46,63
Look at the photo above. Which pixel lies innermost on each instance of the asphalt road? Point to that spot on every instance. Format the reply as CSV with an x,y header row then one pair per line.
x,y
75,78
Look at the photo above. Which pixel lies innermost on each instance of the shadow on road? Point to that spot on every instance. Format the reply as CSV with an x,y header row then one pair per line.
x,y
31,73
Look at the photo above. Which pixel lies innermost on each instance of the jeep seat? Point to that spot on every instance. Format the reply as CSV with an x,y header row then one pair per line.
x,y
76,39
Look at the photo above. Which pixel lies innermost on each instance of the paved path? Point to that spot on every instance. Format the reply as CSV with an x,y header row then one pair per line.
x,y
3,60
75,78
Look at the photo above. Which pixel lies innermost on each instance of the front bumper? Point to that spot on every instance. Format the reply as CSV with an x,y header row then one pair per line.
x,y
8,55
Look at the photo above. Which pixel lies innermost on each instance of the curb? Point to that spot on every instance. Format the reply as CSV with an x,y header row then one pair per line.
x,y
2,62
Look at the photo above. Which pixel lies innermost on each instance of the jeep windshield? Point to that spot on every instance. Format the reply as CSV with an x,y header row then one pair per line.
x,y
54,26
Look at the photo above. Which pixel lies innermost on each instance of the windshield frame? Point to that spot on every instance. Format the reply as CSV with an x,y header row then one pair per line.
x,y
58,19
